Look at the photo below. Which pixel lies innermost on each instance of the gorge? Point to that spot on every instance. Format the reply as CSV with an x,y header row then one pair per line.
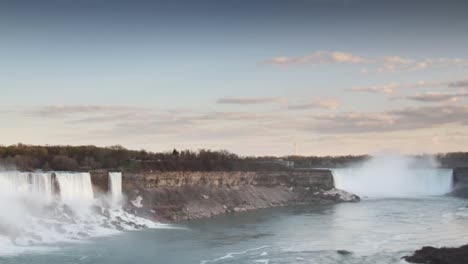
x,y
46,208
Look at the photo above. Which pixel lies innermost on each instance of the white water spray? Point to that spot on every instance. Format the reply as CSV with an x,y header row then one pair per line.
x,y
394,176
34,213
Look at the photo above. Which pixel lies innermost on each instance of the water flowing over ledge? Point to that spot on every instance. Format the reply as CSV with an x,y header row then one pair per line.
x,y
392,176
41,208
412,183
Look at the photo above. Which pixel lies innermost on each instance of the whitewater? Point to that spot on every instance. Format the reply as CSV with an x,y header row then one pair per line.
x,y
43,208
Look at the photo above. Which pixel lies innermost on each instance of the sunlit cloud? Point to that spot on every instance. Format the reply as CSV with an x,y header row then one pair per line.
x,y
459,84
385,88
320,57
61,110
390,63
397,63
247,101
430,97
395,120
395,87
151,127
317,103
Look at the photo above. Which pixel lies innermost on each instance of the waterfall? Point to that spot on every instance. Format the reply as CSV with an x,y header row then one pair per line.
x,y
41,184
416,182
394,176
32,216
13,182
75,186
115,186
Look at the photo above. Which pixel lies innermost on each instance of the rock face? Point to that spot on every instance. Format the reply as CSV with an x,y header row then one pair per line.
x,y
100,181
431,255
174,196
460,182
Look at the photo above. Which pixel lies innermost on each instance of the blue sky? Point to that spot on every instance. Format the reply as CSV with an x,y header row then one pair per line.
x,y
253,77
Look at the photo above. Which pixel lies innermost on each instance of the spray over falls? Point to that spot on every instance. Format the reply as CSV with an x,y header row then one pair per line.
x,y
393,175
49,207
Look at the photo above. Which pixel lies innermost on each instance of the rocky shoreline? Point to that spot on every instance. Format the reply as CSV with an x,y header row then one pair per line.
x,y
231,200
431,255
177,196
446,255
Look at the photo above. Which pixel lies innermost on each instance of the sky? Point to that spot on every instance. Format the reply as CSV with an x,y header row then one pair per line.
x,y
257,77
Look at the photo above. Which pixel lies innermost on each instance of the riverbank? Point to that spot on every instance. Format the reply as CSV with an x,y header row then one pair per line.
x,y
446,255
176,196
431,255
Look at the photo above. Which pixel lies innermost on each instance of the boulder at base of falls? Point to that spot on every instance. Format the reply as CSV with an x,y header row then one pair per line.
x,y
340,195
431,255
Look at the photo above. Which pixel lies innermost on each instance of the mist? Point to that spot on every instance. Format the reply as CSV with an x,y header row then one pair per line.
x,y
394,175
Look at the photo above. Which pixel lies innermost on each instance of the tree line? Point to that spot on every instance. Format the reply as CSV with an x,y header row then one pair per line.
x,y
85,158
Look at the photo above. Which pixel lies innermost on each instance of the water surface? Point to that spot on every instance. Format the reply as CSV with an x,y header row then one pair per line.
x,y
372,231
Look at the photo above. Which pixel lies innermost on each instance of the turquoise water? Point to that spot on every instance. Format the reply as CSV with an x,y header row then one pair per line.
x,y
372,231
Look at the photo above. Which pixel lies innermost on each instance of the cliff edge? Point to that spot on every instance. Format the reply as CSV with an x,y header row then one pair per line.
x,y
175,196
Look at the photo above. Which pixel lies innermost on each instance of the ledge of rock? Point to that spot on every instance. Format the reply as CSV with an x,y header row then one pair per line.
x,y
175,196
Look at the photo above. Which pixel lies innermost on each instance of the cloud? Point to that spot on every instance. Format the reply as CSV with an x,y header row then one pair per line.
x,y
436,96
190,126
394,87
391,63
388,63
458,84
431,97
313,103
317,103
394,120
397,63
320,57
250,101
385,88
61,110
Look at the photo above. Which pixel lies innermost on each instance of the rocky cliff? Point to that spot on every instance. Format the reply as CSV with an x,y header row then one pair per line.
x,y
174,196
460,182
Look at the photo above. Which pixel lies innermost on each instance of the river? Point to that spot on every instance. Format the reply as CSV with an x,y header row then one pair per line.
x,y
372,231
